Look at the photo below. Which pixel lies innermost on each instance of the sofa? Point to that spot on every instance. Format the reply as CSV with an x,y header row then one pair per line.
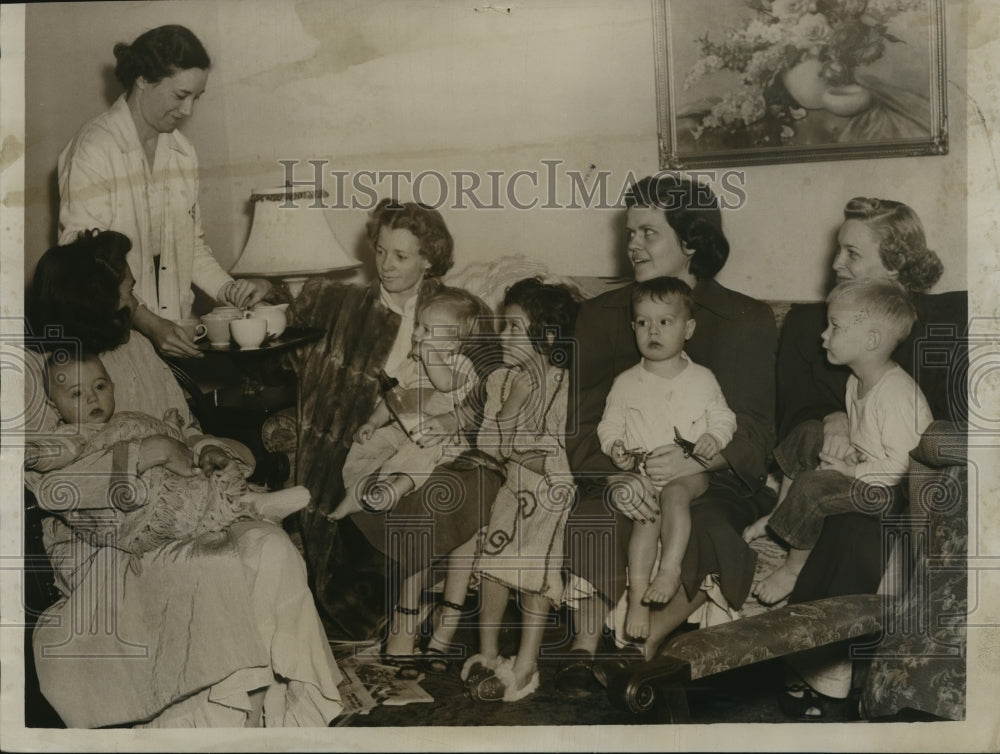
x,y
912,631
908,631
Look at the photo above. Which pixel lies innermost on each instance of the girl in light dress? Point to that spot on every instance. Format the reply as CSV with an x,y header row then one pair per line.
x,y
524,427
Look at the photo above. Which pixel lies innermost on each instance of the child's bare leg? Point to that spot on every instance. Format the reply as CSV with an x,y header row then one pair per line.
x,y
641,556
534,613
494,596
456,586
385,493
277,505
351,502
781,582
629,489
663,620
675,528
404,624
758,528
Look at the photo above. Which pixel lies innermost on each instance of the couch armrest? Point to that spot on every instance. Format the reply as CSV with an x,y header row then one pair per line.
x,y
777,633
943,443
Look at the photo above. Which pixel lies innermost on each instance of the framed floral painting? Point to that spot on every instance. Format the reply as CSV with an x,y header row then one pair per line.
x,y
744,82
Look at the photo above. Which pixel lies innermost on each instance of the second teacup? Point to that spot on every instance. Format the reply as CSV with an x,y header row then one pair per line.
x,y
218,329
248,333
194,329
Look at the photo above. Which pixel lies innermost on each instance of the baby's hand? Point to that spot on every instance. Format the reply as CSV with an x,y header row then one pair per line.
x,y
213,458
364,433
707,446
173,416
620,456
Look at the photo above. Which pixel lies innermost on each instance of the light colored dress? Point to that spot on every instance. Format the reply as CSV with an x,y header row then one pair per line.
x,y
390,450
182,638
174,507
523,544
106,183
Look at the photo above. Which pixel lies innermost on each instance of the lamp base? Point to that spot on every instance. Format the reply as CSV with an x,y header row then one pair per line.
x,y
295,283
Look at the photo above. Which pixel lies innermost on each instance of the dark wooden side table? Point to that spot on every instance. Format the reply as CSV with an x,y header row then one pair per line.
x,y
250,392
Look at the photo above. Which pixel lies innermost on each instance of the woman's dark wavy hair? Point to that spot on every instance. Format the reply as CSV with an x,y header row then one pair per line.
x,y
426,223
551,308
902,245
159,53
76,288
692,211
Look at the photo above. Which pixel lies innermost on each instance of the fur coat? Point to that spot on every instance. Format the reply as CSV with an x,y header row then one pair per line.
x,y
338,388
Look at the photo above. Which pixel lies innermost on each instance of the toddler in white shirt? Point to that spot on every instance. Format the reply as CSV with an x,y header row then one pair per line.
x,y
665,399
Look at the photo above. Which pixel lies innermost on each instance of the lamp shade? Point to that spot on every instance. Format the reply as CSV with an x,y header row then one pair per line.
x,y
290,239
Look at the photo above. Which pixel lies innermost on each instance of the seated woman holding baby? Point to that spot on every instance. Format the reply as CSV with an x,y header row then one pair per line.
x,y
362,568
152,526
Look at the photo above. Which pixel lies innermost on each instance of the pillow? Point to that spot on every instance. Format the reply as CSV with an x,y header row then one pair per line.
x,y
490,280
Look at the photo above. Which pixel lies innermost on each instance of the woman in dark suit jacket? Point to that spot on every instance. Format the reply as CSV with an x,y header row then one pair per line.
x,y
673,227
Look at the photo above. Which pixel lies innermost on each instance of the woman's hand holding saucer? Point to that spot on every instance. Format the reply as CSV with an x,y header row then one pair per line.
x,y
168,338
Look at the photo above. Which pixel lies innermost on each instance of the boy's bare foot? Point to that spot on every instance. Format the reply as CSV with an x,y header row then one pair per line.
x,y
663,587
757,529
275,506
637,619
778,585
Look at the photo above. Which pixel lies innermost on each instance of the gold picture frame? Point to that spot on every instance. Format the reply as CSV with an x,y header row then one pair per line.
x,y
712,114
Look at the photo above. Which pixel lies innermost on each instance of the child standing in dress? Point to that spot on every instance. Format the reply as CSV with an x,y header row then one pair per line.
x,y
175,501
385,463
665,398
524,426
886,415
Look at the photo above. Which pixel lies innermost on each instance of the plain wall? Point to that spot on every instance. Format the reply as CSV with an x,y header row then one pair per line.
x,y
450,86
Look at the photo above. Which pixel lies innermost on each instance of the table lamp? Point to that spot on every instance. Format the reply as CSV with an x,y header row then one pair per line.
x,y
290,242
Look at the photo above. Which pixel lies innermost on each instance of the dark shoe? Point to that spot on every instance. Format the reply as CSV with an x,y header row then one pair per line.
x,y
407,666
434,661
803,703
575,677
608,665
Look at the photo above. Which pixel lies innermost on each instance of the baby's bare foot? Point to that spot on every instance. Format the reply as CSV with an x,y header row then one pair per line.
x,y
346,507
383,495
276,506
637,619
663,587
757,529
777,586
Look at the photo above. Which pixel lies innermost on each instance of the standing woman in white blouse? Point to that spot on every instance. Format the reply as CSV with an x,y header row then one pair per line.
x,y
130,170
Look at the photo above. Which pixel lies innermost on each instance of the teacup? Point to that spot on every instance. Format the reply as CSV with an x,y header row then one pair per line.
x,y
248,333
194,329
218,329
227,312
275,316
